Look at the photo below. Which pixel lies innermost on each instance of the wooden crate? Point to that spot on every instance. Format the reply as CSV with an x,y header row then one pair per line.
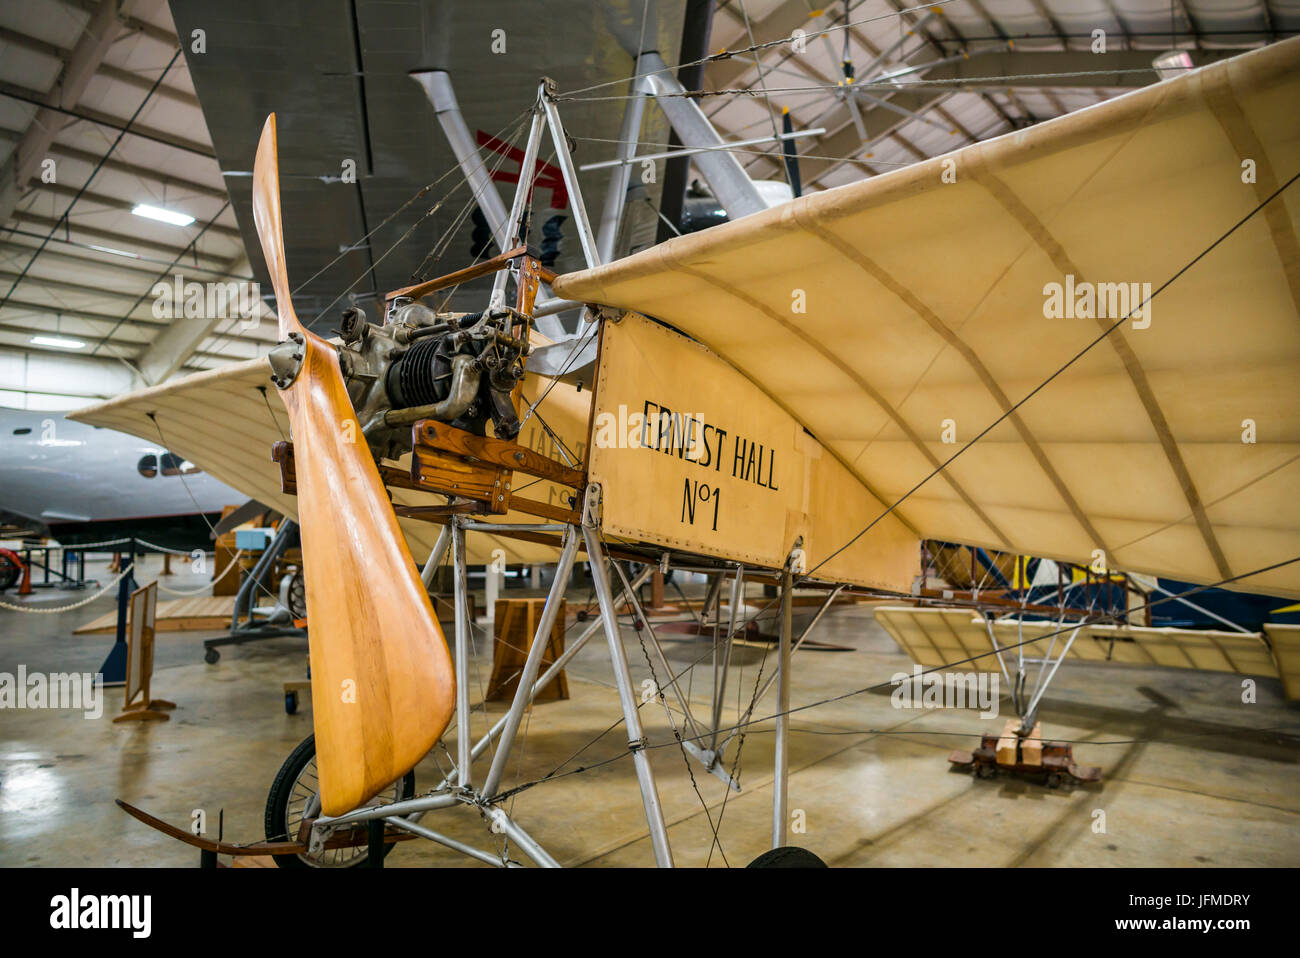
x,y
515,626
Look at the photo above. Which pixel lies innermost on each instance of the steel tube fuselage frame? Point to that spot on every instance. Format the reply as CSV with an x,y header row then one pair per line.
x,y
459,787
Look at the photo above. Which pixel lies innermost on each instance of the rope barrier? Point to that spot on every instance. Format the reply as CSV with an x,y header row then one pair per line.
x,y
175,552
81,547
76,605
234,564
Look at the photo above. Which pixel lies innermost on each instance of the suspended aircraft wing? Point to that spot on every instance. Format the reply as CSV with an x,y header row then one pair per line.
x,y
899,317
226,420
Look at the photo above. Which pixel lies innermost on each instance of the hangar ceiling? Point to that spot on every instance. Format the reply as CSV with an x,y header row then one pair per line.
x,y
958,68
128,117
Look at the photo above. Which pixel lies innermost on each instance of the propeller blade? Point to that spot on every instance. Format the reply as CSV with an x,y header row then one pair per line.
x,y
381,675
246,513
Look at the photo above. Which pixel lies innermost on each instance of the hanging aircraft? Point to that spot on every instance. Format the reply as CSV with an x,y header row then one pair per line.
x,y
77,483
1054,343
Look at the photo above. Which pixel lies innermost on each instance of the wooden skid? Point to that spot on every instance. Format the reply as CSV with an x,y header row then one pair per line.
x,y
1046,759
347,839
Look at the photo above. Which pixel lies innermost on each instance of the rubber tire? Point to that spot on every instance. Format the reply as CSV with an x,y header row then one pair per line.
x,y
210,656
8,573
788,856
275,802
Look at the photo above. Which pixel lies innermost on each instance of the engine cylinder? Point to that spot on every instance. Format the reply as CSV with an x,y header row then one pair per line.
x,y
420,376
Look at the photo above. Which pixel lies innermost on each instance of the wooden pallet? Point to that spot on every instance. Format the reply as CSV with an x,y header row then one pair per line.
x,y
195,614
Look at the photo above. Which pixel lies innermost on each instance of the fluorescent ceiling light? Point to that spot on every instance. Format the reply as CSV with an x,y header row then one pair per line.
x,y
1173,63
164,216
115,252
59,342
898,74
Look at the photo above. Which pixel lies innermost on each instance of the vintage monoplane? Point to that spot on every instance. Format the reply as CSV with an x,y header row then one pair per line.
x,y
797,397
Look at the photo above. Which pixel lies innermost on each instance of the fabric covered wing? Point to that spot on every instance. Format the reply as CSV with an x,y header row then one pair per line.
x,y
225,421
961,639
895,313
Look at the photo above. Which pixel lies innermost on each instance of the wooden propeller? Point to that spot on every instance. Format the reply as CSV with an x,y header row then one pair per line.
x,y
382,683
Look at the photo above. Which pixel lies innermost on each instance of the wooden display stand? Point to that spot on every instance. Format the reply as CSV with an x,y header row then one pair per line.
x,y
223,554
515,626
139,707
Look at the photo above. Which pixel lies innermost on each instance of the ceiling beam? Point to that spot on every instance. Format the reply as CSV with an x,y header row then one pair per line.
x,y
146,173
97,36
1115,69
781,22
127,206
116,240
997,28
64,286
1007,68
848,146
148,329
132,349
1191,24
24,94
1119,22
106,70
40,367
91,255
815,145
182,338
93,258
84,315
131,23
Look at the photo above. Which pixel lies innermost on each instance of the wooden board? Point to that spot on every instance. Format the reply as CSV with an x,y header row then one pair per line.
x,y
253,861
1006,751
197,614
1031,748
141,623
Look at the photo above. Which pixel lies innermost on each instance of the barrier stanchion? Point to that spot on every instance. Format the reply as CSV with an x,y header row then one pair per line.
x,y
114,667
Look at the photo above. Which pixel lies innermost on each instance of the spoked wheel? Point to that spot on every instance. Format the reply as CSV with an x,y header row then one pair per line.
x,y
293,797
788,856
293,594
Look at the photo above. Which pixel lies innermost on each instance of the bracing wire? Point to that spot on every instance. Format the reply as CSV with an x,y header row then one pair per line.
x,y
559,772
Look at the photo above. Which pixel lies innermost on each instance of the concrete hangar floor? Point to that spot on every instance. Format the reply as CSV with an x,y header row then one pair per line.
x,y
1188,779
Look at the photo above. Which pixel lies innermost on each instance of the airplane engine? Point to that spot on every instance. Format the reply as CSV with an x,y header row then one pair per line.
x,y
456,368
